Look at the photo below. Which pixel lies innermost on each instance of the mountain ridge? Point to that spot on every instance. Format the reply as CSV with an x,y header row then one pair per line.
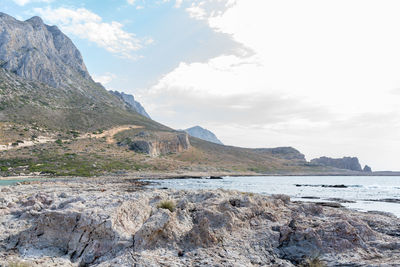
x,y
203,134
47,93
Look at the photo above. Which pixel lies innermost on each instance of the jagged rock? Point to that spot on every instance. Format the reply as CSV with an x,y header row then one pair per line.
x,y
39,52
347,163
367,169
158,145
131,102
203,134
207,227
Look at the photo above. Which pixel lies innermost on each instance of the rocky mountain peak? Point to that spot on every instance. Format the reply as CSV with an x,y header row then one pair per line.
x,y
36,21
130,101
203,134
39,52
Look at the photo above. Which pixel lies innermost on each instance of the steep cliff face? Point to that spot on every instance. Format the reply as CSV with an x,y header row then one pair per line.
x,y
39,52
131,103
347,163
203,134
43,80
156,144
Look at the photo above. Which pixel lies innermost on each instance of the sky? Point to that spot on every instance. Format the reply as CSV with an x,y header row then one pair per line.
x,y
322,76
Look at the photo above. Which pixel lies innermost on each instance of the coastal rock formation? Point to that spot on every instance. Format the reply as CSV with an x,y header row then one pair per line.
x,y
156,144
39,52
131,102
203,134
347,163
367,169
108,223
288,153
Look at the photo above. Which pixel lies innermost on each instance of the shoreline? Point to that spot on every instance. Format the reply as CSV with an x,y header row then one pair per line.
x,y
195,175
114,222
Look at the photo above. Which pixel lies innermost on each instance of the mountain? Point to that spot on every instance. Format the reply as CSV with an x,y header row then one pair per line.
x,y
347,163
44,80
55,120
131,102
39,52
203,134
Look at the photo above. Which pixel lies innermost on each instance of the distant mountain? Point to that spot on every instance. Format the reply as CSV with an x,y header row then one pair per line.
x,y
131,102
203,134
347,163
288,153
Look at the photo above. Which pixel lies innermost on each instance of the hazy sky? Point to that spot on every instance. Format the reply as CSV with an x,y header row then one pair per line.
x,y
321,76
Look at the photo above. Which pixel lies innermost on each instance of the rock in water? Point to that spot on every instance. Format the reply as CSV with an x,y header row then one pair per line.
x,y
367,169
203,134
39,52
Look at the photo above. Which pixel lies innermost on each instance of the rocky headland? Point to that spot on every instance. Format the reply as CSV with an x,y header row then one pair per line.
x,y
345,163
117,222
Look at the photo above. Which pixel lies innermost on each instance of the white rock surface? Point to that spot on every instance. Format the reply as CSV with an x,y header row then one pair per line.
x,y
103,222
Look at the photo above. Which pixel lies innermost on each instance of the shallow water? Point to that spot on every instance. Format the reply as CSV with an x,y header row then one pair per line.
x,y
11,182
367,192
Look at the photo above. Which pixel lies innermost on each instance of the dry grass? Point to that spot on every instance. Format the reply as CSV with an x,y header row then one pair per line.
x,y
167,204
313,262
18,264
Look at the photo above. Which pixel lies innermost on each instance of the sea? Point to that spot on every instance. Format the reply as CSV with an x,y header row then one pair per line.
x,y
362,193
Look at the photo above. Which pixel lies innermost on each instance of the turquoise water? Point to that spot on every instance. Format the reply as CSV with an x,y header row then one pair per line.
x,y
11,182
364,193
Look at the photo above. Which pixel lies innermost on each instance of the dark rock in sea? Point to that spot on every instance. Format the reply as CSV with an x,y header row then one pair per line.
x,y
309,197
346,163
341,200
330,204
367,169
322,185
387,200
216,178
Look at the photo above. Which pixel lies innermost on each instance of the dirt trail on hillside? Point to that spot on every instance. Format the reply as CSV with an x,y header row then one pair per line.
x,y
109,134
28,143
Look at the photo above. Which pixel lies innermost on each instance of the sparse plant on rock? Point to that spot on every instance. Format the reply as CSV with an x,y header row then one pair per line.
x,y
167,204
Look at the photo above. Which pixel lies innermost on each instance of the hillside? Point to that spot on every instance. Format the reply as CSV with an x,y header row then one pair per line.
x,y
55,120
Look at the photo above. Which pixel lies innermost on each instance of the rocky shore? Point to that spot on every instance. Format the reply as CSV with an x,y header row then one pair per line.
x,y
117,222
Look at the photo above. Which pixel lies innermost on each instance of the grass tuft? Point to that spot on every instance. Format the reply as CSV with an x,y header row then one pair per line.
x,y
313,262
167,204
18,264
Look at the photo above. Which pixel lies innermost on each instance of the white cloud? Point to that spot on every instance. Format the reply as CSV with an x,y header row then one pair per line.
x,y
131,2
25,2
105,78
88,25
327,72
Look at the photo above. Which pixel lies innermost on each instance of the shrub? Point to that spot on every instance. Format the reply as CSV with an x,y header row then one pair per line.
x,y
18,264
167,204
3,168
313,262
59,142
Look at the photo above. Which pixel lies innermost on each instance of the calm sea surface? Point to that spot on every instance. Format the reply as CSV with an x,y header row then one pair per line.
x,y
364,193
